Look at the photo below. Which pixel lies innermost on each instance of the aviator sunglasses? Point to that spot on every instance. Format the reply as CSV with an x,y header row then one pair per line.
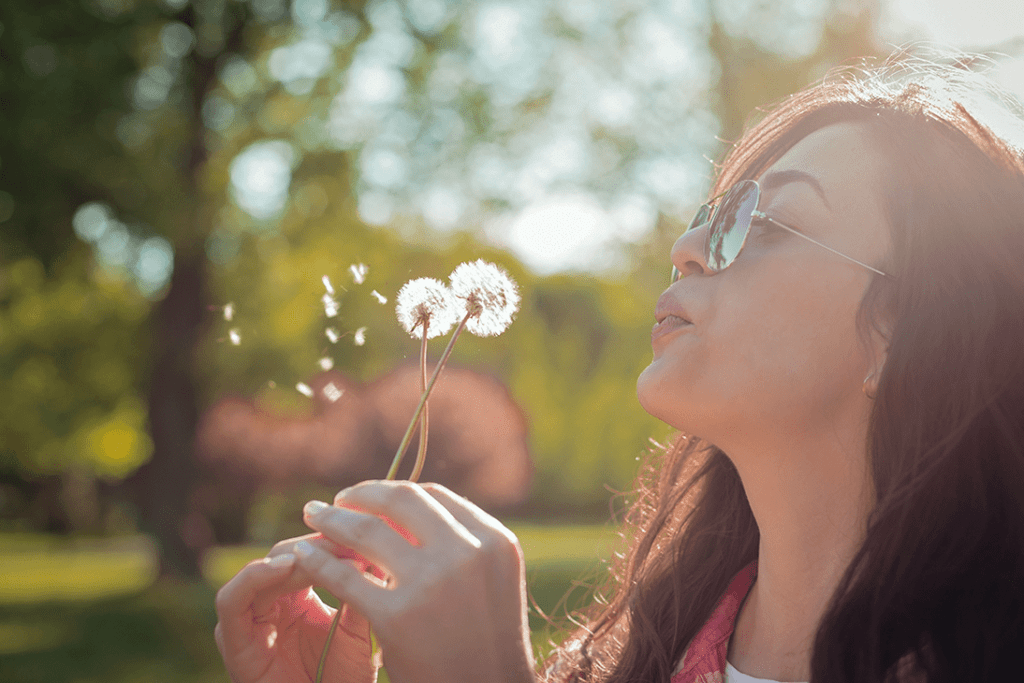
x,y
730,223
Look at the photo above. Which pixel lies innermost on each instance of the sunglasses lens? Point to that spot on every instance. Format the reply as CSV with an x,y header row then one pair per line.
x,y
728,230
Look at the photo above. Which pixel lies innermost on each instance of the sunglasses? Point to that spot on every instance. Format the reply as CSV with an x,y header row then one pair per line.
x,y
729,226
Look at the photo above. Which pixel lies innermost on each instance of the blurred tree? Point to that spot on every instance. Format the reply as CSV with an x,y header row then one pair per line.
x,y
163,159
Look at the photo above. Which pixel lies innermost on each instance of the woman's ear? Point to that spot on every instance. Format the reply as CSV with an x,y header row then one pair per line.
x,y
878,353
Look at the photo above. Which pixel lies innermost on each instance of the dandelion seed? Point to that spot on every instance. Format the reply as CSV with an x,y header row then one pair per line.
x,y
326,363
359,338
332,393
332,335
379,297
235,336
304,389
327,285
359,271
426,299
330,305
488,289
229,311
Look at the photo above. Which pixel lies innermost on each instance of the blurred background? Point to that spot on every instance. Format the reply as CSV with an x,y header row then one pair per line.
x,y
208,206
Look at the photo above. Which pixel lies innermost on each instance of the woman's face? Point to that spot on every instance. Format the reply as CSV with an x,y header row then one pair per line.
x,y
772,343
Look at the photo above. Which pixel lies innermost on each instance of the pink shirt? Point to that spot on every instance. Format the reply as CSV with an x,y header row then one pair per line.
x,y
704,660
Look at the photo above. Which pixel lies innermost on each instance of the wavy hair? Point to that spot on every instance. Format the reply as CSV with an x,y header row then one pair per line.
x,y
936,591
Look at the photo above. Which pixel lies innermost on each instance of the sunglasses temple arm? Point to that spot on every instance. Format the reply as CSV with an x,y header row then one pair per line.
x,y
774,222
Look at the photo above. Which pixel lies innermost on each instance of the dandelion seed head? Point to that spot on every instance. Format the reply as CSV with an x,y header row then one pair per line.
x,y
330,305
229,311
426,299
326,363
488,288
359,271
304,389
235,336
331,392
379,297
327,285
359,338
332,335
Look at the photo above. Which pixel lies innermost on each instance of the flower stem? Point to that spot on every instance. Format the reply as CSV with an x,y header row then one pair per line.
x,y
421,456
421,411
393,472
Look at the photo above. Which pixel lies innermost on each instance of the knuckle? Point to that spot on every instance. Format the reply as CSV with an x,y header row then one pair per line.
x,y
363,528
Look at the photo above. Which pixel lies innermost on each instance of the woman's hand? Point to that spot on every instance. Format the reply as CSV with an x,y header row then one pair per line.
x,y
271,626
454,607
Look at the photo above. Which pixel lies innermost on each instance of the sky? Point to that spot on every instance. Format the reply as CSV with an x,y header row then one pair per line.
x,y
979,25
548,173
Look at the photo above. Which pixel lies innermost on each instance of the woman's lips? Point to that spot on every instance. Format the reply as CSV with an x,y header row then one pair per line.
x,y
668,324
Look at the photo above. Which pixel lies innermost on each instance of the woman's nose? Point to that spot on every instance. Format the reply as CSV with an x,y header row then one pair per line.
x,y
688,251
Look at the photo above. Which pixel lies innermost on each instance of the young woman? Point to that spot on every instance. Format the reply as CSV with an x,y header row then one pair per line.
x,y
844,330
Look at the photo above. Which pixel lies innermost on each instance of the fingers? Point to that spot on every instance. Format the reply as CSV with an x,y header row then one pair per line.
x,y
476,520
364,534
407,505
236,599
343,578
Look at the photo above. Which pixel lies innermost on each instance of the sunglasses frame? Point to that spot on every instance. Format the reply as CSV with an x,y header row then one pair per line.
x,y
709,211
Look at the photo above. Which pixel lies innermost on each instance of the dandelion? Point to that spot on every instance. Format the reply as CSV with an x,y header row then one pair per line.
x,y
235,336
332,393
359,271
332,335
426,300
359,338
304,389
272,384
486,299
229,311
381,299
489,295
326,363
330,305
327,285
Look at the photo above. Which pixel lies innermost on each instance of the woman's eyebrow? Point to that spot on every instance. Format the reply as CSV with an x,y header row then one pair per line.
x,y
776,179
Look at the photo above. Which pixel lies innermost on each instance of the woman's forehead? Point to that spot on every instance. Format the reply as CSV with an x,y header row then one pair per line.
x,y
833,178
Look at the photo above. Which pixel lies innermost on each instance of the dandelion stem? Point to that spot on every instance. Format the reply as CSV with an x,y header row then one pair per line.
x,y
393,472
421,456
327,645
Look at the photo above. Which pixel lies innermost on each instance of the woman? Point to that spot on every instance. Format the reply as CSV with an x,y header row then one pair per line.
x,y
845,337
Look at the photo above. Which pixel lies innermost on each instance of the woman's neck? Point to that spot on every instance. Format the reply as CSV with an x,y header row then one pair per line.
x,y
811,505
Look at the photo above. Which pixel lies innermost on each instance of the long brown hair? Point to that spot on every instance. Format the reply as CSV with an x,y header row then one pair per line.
x,y
936,592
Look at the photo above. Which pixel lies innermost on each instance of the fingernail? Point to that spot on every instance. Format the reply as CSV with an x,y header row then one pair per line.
x,y
285,560
315,507
303,549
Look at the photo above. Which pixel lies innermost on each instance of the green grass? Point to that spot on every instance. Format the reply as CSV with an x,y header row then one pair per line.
x,y
84,611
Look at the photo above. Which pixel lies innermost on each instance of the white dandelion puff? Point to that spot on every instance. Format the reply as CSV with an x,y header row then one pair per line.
x,y
359,271
381,299
235,336
359,338
331,392
332,335
304,389
330,306
490,292
326,363
327,285
229,311
426,300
